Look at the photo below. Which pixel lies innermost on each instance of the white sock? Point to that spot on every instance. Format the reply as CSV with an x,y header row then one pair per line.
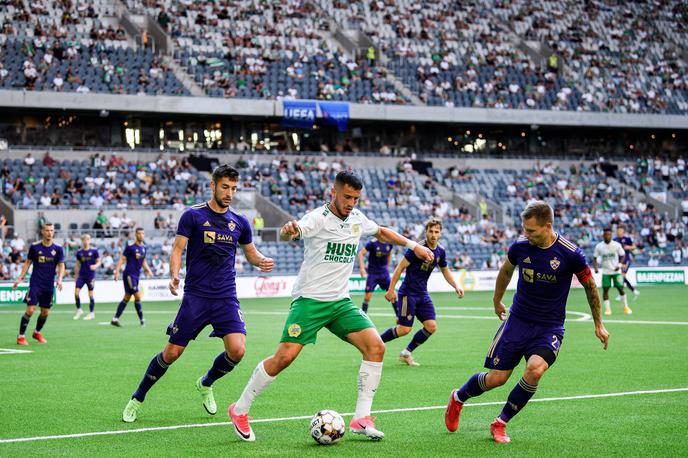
x,y
625,300
257,383
607,305
368,380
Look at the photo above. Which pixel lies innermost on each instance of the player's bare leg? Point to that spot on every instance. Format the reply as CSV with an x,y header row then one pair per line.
x,y
263,375
372,349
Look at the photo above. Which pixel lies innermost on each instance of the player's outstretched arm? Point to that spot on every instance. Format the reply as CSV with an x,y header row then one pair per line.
x,y
176,262
22,274
361,263
387,235
503,279
118,268
594,302
257,259
290,231
391,294
446,273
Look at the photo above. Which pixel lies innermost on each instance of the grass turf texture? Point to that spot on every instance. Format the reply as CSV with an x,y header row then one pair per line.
x,y
80,381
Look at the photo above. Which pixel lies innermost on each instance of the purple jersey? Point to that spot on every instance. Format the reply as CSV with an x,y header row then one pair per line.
x,y
135,255
210,255
86,259
378,255
418,272
625,241
545,279
45,260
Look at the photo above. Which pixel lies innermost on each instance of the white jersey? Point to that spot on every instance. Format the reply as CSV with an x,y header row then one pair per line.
x,y
330,249
609,252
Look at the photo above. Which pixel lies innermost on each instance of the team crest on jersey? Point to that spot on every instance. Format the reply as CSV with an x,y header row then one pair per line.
x,y
53,252
294,330
356,229
231,225
554,263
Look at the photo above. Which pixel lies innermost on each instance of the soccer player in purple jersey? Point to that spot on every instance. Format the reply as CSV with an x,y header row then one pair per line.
x,y
414,300
628,246
87,262
47,259
135,257
378,268
213,232
534,328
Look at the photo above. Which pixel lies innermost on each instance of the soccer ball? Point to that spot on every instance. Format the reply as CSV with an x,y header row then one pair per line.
x,y
327,427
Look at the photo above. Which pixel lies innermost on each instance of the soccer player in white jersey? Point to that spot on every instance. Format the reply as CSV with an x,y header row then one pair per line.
x,y
331,234
612,255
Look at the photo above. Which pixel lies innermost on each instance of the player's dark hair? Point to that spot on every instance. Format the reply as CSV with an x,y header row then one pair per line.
x,y
540,210
46,224
138,229
607,229
225,171
432,222
349,178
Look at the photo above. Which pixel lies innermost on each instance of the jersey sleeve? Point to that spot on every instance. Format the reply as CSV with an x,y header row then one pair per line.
x,y
512,254
185,225
60,254
578,261
310,224
369,246
620,250
409,255
97,254
368,226
246,235
596,252
32,254
442,261
126,251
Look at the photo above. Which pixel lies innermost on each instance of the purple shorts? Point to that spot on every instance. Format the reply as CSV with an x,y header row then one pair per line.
x,y
40,297
518,338
131,284
374,280
418,306
195,313
80,282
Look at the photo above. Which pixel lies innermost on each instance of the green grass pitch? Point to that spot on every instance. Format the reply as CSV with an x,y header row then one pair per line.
x,y
80,381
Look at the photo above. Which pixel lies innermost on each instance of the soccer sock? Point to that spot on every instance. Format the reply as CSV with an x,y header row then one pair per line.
x,y
156,369
223,365
91,304
475,386
624,298
628,283
257,383
368,380
517,400
120,309
23,323
607,305
389,334
139,310
77,301
40,322
364,307
419,338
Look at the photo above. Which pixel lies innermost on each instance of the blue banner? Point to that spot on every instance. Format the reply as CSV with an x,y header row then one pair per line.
x,y
335,113
299,113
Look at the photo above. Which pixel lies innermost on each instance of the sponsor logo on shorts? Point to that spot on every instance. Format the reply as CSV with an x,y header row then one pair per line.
x,y
495,360
175,329
294,330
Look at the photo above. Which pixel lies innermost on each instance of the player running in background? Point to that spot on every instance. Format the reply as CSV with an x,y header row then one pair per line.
x,y
628,246
413,299
613,255
331,234
212,231
47,259
379,258
534,328
87,261
135,257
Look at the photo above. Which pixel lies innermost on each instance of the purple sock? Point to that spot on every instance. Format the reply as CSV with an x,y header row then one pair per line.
x,y
364,307
222,365
517,400
419,338
139,310
475,386
389,334
40,322
23,323
91,305
120,309
156,369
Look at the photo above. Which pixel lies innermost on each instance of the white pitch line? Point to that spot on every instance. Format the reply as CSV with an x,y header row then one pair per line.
x,y
348,414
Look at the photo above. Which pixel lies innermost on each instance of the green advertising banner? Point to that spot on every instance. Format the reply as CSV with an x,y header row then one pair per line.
x,y
9,297
655,277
